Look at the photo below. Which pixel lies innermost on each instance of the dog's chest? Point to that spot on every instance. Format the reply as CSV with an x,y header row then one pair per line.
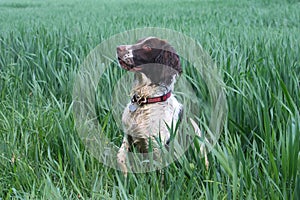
x,y
150,120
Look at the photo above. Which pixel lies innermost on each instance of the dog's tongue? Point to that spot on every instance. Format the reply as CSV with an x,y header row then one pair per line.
x,y
134,69
123,64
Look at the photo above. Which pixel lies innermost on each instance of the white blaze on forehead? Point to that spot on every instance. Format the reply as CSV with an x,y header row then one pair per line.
x,y
129,47
143,40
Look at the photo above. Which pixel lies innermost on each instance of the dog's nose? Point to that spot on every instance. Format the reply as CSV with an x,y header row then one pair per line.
x,y
121,48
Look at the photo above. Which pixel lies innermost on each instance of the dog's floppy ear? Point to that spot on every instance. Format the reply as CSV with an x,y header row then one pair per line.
x,y
170,59
168,66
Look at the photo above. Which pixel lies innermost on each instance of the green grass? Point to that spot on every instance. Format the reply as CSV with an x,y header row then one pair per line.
x,y
256,46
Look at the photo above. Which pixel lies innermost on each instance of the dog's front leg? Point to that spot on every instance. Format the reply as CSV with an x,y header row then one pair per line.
x,y
122,154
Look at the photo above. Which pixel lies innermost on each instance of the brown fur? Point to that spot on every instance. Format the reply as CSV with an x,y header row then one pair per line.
x,y
156,66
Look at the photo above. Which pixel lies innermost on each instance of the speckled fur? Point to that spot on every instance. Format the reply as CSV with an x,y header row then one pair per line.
x,y
148,121
156,65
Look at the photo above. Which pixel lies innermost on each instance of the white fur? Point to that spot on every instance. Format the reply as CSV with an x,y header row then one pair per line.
x,y
149,120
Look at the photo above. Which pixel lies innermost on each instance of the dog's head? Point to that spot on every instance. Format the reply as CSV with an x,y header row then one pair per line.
x,y
153,57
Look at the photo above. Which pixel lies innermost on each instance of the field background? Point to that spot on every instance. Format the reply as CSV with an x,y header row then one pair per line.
x,y
255,44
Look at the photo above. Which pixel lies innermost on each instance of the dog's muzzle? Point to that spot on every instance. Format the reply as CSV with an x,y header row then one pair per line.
x,y
125,57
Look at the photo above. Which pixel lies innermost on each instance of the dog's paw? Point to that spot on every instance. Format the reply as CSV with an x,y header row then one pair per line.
x,y
123,167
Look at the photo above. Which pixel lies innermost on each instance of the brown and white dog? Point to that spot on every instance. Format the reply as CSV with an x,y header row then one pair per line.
x,y
153,107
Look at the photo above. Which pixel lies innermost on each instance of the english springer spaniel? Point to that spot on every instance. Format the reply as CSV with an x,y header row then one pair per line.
x,y
153,107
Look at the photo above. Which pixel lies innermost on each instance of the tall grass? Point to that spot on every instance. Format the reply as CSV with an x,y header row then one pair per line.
x,y
255,45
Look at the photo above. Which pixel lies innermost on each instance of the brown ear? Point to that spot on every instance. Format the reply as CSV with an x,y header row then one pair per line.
x,y
170,59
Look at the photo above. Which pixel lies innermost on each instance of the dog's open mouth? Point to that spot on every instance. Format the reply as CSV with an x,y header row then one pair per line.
x,y
125,65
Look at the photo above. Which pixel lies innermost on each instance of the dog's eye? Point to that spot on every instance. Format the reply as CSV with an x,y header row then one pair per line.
x,y
146,47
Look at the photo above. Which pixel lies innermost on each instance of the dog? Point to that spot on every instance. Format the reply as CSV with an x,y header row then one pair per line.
x,y
153,108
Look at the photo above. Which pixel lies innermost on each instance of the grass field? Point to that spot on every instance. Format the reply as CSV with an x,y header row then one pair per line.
x,y
256,46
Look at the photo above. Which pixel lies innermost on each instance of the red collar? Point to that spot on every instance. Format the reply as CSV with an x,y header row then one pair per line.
x,y
142,100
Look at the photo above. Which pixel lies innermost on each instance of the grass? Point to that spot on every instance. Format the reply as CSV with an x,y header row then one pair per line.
x,y
255,44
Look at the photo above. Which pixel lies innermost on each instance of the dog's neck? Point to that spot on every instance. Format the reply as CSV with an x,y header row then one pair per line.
x,y
143,86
